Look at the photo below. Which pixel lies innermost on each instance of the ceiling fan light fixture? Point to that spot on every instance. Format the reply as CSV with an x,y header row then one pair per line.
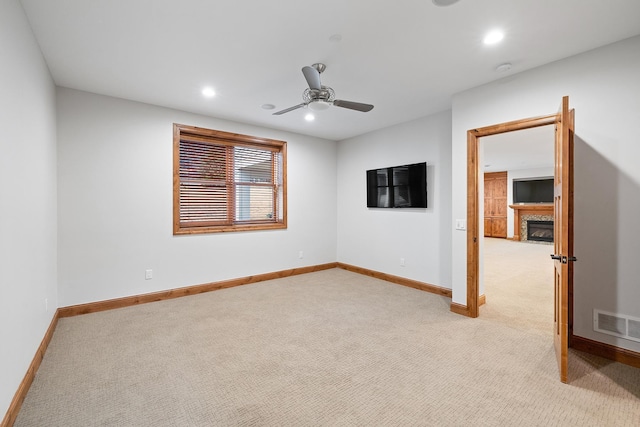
x,y
319,105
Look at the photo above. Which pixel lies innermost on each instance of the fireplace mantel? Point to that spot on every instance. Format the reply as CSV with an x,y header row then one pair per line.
x,y
528,209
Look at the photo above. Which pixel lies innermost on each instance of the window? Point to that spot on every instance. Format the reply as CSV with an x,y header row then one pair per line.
x,y
227,182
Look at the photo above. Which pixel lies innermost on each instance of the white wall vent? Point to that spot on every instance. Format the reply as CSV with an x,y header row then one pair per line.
x,y
618,325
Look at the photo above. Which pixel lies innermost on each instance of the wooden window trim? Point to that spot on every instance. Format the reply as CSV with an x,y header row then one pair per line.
x,y
203,135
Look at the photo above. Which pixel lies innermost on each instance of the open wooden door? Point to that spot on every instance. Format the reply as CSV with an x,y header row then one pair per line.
x,y
563,235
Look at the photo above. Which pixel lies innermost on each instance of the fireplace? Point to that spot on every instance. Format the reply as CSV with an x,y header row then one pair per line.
x,y
540,231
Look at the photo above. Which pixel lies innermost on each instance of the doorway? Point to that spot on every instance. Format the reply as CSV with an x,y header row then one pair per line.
x,y
511,266
473,199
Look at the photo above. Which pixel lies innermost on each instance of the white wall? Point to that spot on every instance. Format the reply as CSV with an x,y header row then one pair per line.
x,y
521,174
604,89
115,204
377,238
28,199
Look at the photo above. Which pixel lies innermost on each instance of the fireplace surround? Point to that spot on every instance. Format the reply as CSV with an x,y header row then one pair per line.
x,y
540,231
523,212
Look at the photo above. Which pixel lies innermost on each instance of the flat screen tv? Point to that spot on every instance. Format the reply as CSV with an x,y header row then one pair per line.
x,y
398,186
533,191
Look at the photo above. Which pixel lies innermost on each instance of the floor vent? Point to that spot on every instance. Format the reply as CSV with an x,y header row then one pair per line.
x,y
618,325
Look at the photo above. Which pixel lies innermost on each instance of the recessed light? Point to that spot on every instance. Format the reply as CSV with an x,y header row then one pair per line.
x,y
493,37
309,117
444,3
267,106
208,92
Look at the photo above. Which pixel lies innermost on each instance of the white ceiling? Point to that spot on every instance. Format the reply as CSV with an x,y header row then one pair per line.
x,y
407,57
524,149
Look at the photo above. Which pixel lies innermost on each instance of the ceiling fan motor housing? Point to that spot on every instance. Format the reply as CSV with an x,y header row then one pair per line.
x,y
325,94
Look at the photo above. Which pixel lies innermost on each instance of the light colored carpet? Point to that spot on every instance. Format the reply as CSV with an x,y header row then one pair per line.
x,y
329,348
518,280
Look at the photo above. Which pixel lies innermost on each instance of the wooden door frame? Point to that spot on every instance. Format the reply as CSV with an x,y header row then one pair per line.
x,y
473,226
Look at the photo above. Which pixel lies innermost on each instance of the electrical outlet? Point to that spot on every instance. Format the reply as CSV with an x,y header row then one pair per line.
x,y
402,262
300,255
148,274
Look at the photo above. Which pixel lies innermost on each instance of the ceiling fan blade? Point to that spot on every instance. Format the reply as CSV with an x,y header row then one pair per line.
x,y
286,110
353,105
313,77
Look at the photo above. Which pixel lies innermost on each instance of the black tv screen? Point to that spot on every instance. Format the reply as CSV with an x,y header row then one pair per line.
x,y
533,191
398,186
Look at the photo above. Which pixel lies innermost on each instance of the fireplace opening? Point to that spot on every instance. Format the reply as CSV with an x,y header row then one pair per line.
x,y
540,231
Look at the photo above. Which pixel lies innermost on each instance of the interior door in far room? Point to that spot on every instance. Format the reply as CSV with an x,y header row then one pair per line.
x,y
495,204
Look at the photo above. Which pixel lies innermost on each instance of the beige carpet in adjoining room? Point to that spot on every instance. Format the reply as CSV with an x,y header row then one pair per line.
x,y
518,278
331,348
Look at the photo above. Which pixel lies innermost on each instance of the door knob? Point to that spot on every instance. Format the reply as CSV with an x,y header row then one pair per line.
x,y
563,259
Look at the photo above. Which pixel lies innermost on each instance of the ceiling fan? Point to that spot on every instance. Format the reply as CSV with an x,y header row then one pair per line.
x,y
319,97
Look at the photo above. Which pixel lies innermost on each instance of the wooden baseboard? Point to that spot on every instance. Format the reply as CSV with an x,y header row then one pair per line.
x,y
463,309
460,309
23,388
607,351
93,307
397,280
